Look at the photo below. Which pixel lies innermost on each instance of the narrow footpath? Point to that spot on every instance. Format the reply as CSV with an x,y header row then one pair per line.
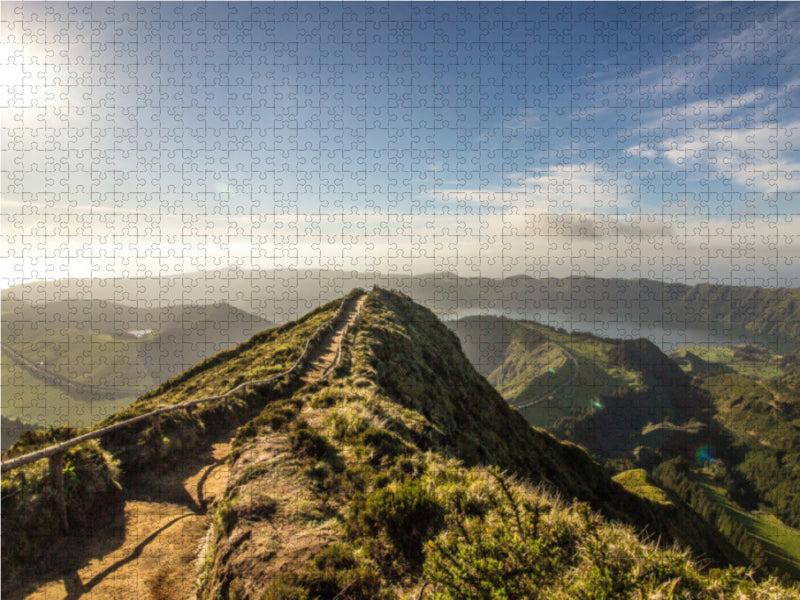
x,y
150,553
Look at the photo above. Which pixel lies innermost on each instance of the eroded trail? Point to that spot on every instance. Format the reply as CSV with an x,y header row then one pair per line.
x,y
321,361
150,553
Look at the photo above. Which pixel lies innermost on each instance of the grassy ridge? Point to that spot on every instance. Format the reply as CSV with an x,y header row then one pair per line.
x,y
268,353
517,358
384,483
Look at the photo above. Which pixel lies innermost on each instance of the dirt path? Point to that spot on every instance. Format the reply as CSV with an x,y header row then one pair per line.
x,y
150,553
324,358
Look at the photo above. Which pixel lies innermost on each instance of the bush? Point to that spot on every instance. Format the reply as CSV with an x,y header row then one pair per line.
x,y
251,472
256,506
308,443
31,522
333,573
395,522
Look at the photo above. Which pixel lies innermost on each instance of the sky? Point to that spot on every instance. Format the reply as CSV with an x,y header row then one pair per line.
x,y
548,139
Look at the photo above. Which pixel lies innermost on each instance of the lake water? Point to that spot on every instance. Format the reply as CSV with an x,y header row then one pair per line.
x,y
667,336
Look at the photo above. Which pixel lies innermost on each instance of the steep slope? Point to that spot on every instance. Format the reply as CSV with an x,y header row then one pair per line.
x,y
170,473
599,392
387,482
723,443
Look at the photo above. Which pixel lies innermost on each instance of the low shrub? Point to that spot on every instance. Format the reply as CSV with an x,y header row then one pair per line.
x,y
31,522
395,522
333,573
308,443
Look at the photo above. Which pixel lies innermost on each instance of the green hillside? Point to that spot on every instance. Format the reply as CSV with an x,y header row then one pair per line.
x,y
631,405
579,385
404,475
31,399
77,362
387,478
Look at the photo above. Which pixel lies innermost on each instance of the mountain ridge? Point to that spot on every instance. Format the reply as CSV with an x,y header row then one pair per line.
x,y
283,295
370,482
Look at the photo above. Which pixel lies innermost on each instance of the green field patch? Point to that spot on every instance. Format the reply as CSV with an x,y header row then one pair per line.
x,y
31,400
638,482
780,542
748,360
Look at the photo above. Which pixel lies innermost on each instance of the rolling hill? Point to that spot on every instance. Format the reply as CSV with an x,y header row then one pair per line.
x,y
76,362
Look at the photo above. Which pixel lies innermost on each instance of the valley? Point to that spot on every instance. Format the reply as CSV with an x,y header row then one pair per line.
x,y
76,362
728,415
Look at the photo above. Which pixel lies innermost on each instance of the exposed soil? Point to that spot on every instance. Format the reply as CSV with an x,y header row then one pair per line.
x,y
322,360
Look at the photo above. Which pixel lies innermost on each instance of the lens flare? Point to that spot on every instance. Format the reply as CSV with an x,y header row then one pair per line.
x,y
704,455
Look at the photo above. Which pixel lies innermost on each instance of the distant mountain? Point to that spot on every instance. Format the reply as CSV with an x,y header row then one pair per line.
x,y
283,295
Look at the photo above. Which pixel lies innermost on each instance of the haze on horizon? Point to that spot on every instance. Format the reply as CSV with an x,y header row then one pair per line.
x,y
653,141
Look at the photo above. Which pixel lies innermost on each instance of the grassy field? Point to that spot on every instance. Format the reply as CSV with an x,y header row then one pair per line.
x,y
637,482
751,362
31,400
87,356
781,542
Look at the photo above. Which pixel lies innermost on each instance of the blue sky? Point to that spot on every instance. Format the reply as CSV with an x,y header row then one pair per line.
x,y
632,140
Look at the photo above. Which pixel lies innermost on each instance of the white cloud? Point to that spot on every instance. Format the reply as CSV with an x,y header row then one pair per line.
x,y
561,188
762,158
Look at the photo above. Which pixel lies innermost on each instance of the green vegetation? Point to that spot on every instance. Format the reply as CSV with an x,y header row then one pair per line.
x,y
766,541
406,475
406,446
748,360
29,398
578,383
638,482
761,420
28,506
778,541
31,521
